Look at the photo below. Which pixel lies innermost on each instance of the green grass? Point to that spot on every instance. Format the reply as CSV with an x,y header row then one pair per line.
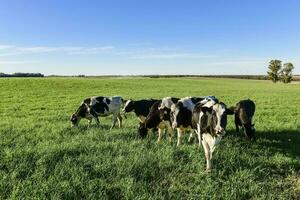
x,y
41,156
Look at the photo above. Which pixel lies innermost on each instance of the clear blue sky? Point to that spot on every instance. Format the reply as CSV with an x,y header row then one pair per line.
x,y
147,37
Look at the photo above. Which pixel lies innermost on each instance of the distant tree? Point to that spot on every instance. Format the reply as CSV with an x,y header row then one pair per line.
x,y
274,68
18,74
286,73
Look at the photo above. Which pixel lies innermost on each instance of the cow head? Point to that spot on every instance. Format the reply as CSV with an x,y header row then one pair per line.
x,y
164,113
79,114
129,106
142,130
180,115
74,119
214,118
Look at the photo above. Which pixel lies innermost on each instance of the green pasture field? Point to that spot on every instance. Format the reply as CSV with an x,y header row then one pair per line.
x,y
42,157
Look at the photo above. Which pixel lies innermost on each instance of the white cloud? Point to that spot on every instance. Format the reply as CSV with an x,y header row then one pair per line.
x,y
94,50
2,47
12,62
9,50
170,56
238,62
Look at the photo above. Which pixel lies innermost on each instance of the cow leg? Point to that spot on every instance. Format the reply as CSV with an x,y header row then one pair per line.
x,y
208,155
179,134
237,122
191,136
170,133
97,120
95,116
160,132
120,120
236,128
114,121
198,132
90,122
199,139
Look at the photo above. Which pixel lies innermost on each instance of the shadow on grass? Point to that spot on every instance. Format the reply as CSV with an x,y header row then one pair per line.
x,y
285,141
273,153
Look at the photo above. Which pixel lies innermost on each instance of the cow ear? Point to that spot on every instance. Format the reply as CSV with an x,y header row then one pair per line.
x,y
206,109
230,110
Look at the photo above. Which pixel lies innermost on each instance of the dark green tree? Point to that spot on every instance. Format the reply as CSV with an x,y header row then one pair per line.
x,y
286,73
274,68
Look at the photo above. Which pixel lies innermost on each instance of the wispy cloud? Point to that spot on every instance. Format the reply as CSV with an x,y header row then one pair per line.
x,y
170,56
238,62
10,50
94,50
12,62
2,47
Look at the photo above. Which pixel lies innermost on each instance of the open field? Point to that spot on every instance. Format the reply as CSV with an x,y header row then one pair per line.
x,y
42,156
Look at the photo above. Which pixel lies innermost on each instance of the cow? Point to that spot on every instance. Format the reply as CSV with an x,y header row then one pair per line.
x,y
167,102
156,120
243,115
93,107
182,112
210,121
141,108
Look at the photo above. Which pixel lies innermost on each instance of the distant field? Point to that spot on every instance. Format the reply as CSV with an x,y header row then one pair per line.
x,y
41,156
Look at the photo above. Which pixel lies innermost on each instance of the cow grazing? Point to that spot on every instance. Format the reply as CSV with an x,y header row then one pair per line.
x,y
243,114
167,102
92,108
141,108
181,114
211,120
156,120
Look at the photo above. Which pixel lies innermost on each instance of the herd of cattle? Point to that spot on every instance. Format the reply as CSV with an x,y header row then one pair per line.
x,y
205,117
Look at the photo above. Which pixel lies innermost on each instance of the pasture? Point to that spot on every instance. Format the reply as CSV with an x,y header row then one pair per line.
x,y
41,156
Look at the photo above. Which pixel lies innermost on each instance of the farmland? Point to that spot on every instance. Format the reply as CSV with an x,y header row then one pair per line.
x,y
41,156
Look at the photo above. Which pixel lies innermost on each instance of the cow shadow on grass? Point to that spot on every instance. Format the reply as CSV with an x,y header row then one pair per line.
x,y
284,141
84,128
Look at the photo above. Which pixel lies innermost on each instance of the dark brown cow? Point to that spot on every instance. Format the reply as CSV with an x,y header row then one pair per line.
x,y
156,120
243,115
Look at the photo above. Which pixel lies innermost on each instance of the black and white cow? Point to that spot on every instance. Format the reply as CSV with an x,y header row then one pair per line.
x,y
167,102
211,121
243,114
182,112
156,120
93,107
141,108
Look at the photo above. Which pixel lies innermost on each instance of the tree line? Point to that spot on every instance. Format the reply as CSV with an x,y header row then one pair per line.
x,y
19,74
278,72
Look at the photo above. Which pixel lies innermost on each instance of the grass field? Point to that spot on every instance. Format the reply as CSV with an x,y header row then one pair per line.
x,y
41,156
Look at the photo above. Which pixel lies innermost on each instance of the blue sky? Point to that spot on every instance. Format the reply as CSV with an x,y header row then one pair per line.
x,y
147,37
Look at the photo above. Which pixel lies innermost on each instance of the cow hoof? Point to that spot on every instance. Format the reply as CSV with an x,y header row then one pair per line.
x,y
208,170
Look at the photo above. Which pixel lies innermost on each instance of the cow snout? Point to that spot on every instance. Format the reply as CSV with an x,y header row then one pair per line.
x,y
220,131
